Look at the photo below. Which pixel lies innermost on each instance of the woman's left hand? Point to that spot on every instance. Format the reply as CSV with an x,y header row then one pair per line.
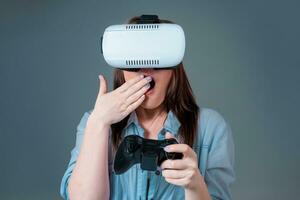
x,y
182,172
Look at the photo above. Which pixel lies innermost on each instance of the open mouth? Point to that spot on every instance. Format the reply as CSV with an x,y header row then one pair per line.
x,y
152,84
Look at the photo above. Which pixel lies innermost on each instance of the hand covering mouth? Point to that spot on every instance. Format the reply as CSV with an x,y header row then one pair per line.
x,y
152,84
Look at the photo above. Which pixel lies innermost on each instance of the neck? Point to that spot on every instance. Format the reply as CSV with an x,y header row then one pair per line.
x,y
151,120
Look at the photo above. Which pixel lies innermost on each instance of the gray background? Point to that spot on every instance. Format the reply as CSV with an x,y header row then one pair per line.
x,y
242,59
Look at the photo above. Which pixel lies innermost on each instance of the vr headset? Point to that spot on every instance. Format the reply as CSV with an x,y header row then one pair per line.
x,y
147,44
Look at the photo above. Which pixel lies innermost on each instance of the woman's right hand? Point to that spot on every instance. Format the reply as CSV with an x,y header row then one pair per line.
x,y
112,107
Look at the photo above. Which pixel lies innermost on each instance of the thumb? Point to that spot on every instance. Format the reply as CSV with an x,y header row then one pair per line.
x,y
168,135
103,85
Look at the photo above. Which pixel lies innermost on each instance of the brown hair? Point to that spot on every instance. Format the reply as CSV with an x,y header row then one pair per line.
x,y
179,99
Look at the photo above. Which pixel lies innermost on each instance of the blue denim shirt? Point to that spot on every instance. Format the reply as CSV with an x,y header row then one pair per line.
x,y
214,147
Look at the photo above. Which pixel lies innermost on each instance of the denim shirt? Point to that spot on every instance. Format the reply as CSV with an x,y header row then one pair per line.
x,y
214,148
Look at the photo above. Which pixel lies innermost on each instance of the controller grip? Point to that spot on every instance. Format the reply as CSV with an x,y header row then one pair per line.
x,y
174,155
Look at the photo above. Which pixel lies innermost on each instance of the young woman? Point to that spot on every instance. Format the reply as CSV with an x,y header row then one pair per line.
x,y
164,111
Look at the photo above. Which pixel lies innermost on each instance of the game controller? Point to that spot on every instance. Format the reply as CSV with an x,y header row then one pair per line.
x,y
149,153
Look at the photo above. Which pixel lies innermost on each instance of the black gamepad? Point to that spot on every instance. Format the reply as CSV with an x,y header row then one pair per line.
x,y
150,153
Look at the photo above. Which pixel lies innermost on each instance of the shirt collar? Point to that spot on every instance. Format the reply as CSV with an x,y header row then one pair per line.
x,y
171,124
132,119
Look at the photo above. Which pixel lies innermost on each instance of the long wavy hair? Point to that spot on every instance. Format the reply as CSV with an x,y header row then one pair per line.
x,y
179,99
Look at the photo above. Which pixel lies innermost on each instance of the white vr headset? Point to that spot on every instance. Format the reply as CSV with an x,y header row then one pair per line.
x,y
147,44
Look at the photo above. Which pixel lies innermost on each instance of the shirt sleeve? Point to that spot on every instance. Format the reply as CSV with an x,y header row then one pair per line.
x,y
219,173
74,155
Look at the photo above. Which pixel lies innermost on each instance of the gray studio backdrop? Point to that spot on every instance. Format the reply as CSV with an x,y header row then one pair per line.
x,y
242,59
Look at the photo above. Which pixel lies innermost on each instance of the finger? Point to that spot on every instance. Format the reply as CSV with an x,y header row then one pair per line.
x,y
130,82
169,135
178,164
185,149
179,148
136,96
178,182
174,174
134,105
137,86
103,85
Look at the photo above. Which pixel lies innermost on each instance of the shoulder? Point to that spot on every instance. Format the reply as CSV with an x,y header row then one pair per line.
x,y
210,117
211,126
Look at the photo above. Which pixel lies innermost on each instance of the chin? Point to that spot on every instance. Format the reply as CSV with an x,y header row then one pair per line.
x,y
150,104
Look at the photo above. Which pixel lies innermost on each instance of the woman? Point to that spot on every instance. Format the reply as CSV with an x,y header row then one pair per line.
x,y
164,111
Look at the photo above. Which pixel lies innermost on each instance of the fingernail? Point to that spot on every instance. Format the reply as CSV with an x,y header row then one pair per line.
x,y
147,86
167,148
99,76
149,78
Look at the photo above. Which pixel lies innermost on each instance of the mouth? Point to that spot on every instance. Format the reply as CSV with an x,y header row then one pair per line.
x,y
152,85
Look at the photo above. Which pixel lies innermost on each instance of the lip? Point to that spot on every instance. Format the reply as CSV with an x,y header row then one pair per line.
x,y
149,92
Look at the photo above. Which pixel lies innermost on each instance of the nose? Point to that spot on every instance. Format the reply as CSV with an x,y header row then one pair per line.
x,y
146,71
